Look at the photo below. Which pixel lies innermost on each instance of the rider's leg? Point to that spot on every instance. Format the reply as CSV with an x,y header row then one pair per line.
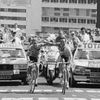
x,y
67,69
37,69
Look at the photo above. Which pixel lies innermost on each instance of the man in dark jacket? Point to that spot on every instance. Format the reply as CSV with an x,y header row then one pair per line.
x,y
33,51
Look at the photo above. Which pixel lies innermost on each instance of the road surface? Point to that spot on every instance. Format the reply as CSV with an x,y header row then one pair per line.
x,y
16,91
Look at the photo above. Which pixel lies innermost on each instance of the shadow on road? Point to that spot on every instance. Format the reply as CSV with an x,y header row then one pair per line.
x,y
10,83
80,85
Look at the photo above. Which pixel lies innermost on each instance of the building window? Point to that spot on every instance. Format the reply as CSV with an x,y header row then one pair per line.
x,y
12,26
93,10
92,1
12,18
13,10
55,1
63,20
87,12
72,1
83,21
65,9
94,15
72,20
56,14
53,19
65,14
77,12
63,1
45,19
91,21
45,0
57,9
82,1
17,10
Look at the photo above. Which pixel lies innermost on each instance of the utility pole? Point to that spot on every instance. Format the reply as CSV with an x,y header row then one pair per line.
x,y
98,14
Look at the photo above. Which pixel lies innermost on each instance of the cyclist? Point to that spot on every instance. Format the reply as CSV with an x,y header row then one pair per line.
x,y
33,52
65,51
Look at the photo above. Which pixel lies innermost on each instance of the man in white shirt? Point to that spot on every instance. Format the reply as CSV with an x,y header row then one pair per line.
x,y
17,30
15,39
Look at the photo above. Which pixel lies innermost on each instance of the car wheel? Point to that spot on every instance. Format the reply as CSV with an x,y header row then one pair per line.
x,y
24,82
72,82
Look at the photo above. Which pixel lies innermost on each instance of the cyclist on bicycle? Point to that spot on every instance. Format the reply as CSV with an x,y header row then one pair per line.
x,y
33,53
65,51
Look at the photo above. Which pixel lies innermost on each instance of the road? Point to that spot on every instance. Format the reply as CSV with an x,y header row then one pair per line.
x,y
16,91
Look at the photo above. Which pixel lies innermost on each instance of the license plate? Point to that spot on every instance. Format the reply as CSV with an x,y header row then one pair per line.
x,y
6,72
5,77
51,67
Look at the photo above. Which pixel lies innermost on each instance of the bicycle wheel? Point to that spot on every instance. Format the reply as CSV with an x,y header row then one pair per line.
x,y
64,82
33,80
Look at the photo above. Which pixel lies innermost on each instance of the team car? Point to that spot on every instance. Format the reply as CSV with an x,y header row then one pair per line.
x,y
13,62
86,64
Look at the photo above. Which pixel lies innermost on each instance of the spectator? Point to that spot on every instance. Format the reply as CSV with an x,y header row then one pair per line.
x,y
15,39
75,40
6,34
17,30
84,36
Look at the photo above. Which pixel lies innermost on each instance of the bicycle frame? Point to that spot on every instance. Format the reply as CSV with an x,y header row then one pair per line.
x,y
65,75
34,71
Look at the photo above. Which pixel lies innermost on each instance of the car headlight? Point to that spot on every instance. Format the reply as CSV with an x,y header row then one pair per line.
x,y
81,69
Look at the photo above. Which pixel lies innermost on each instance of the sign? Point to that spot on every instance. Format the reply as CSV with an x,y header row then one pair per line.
x,y
90,46
94,64
9,45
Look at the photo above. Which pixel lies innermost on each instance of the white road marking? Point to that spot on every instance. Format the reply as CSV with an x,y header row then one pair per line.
x,y
48,98
75,99
38,91
95,98
91,91
3,90
59,90
17,99
47,90
78,90
19,90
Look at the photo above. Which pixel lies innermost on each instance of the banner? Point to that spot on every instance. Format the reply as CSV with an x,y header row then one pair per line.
x,y
16,2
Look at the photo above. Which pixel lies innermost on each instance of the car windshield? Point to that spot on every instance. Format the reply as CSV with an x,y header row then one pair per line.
x,y
90,55
11,53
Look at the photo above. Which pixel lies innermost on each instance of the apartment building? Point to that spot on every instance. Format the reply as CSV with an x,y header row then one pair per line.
x,y
26,13
48,15
68,14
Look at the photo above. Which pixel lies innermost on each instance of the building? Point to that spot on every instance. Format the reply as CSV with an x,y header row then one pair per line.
x,y
48,15
68,14
26,13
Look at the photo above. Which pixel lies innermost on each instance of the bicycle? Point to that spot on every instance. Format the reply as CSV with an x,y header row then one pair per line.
x,y
33,74
65,76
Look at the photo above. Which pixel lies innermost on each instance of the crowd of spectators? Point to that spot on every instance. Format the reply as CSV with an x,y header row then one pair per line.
x,y
11,35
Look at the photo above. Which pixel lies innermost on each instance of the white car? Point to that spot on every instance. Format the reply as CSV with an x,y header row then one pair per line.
x,y
13,62
86,64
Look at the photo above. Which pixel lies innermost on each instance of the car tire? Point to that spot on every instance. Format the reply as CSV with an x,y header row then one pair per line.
x,y
24,82
72,82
